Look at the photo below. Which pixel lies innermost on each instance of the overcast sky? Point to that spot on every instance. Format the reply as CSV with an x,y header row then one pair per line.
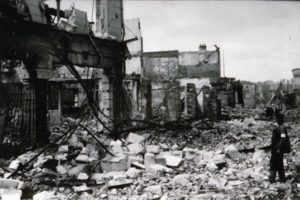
x,y
260,40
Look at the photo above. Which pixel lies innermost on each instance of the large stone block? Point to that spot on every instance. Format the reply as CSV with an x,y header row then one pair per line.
x,y
119,183
218,182
160,159
132,159
219,160
153,149
101,177
138,165
149,159
135,148
134,138
173,161
211,166
63,149
78,169
110,163
10,194
232,152
181,179
133,173
157,169
61,170
154,189
116,147
14,164
9,183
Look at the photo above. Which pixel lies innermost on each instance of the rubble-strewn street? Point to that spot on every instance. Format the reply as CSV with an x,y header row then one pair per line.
x,y
224,162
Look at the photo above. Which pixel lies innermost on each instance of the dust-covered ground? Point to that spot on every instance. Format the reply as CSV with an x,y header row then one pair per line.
x,y
196,160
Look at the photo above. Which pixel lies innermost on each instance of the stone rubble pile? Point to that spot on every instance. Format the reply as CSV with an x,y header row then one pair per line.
x,y
220,163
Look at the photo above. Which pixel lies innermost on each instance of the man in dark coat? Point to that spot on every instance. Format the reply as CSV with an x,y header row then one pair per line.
x,y
278,148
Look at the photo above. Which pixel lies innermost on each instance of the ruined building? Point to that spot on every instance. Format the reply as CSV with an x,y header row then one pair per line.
x,y
53,63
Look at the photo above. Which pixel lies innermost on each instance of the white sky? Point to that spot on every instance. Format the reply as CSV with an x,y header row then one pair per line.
x,y
260,39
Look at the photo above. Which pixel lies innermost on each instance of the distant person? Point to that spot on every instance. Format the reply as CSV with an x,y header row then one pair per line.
x,y
279,146
269,113
277,112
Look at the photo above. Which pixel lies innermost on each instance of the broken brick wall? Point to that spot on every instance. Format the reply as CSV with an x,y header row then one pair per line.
x,y
250,95
172,99
158,95
194,64
161,65
134,64
199,83
145,99
162,99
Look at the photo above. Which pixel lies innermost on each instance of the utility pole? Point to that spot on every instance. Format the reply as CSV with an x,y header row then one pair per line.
x,y
223,63
58,11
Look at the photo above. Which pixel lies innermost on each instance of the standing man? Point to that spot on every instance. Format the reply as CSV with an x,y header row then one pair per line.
x,y
280,145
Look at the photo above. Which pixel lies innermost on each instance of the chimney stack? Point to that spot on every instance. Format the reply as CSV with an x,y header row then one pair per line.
x,y
202,48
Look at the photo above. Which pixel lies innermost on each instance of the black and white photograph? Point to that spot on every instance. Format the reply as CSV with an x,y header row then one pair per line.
x,y
149,100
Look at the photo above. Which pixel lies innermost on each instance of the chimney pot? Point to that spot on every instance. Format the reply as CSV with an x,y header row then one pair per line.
x,y
202,47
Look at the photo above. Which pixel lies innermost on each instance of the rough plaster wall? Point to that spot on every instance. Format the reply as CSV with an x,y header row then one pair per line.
x,y
249,92
158,94
115,18
195,57
199,65
109,18
132,30
102,16
200,71
199,83
162,68
133,65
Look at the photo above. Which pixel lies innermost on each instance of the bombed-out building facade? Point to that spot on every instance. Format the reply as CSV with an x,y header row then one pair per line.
x,y
172,85
194,77
104,66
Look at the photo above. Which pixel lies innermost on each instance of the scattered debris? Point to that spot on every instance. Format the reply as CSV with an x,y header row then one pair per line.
x,y
222,162
10,194
119,183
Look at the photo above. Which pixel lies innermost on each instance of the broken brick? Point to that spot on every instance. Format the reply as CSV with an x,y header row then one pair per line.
x,y
132,159
135,148
63,149
153,149
82,176
119,183
134,138
10,194
138,165
10,183
172,161
160,159
149,159
181,179
133,173
110,163
82,158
